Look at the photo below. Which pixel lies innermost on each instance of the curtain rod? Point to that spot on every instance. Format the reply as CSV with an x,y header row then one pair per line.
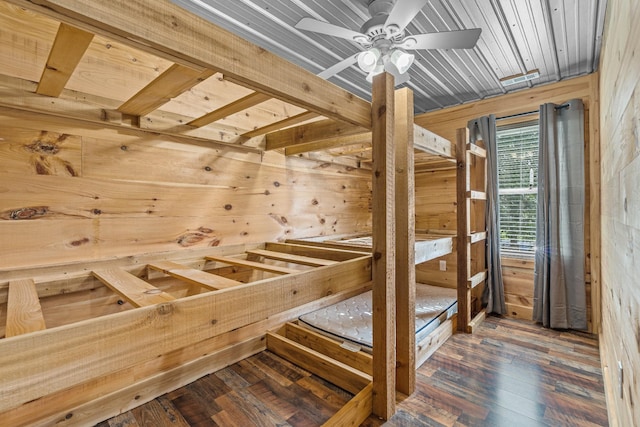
x,y
529,113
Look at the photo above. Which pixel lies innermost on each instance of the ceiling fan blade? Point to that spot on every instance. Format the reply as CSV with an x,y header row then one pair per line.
x,y
463,39
309,24
336,68
402,13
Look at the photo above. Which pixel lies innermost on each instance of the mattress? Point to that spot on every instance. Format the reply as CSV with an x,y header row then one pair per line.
x,y
350,320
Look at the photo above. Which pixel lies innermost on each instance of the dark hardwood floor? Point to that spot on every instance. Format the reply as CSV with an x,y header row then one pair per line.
x,y
509,373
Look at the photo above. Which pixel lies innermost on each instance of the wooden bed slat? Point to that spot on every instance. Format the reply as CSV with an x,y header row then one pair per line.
x,y
335,372
253,264
24,313
67,51
168,85
194,276
243,103
289,121
332,348
297,259
135,290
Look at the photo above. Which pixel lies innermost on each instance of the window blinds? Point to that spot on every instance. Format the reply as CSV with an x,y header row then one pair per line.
x,y
517,147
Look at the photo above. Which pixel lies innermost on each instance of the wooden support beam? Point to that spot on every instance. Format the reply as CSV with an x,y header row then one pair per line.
x,y
478,237
289,121
236,106
24,313
252,264
344,376
340,141
462,223
174,81
476,195
308,338
194,276
383,248
429,142
426,250
135,290
173,33
296,259
405,226
67,51
355,412
322,130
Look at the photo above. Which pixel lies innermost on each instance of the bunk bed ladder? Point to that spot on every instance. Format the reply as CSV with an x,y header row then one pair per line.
x,y
471,223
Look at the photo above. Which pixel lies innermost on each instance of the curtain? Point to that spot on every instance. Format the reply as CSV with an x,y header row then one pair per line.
x,y
484,128
559,290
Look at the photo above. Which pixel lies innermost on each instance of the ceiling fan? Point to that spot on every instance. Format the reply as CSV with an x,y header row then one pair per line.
x,y
384,40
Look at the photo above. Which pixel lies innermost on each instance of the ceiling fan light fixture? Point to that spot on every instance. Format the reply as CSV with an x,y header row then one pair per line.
x,y
368,60
360,39
401,60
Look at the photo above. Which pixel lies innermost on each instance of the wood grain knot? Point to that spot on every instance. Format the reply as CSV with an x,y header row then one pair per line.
x,y
26,213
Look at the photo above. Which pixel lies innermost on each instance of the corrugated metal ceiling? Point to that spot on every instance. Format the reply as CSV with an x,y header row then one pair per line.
x,y
560,38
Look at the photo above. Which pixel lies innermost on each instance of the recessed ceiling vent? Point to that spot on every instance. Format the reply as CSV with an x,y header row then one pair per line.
x,y
520,78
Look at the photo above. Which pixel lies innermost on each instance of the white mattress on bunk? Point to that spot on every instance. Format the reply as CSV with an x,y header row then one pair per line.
x,y
351,320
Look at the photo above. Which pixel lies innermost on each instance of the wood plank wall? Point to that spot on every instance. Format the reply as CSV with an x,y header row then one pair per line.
x,y
71,193
620,150
73,190
440,185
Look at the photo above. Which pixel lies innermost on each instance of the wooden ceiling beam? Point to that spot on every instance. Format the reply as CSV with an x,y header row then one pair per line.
x,y
174,81
243,103
289,121
68,48
171,32
313,132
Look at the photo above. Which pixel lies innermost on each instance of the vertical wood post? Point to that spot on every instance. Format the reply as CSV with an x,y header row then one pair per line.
x,y
594,203
464,294
383,250
405,243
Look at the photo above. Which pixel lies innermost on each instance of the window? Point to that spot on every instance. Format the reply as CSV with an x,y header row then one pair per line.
x,y
517,147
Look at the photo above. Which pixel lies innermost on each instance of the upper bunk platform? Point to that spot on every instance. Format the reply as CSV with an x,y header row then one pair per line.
x,y
428,246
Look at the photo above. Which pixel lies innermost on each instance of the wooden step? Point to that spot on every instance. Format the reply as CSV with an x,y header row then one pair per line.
x,y
344,376
253,264
135,290
477,320
477,278
193,275
24,313
296,259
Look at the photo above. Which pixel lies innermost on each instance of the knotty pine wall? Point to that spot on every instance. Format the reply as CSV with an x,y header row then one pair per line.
x,y
620,180
73,193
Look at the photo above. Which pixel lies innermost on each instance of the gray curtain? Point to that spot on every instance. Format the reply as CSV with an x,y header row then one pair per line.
x,y
484,128
559,292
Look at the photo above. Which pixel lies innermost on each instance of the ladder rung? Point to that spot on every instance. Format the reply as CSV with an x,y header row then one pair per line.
x,y
476,150
477,278
476,195
477,237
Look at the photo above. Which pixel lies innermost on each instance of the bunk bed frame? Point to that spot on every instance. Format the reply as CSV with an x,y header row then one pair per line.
x,y
92,369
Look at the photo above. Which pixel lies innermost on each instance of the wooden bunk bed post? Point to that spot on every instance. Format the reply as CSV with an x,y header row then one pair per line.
x,y
405,243
464,291
383,247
